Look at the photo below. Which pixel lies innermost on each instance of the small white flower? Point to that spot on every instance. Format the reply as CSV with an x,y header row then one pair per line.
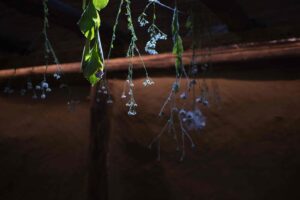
x,y
123,96
43,96
182,113
148,81
151,51
184,95
131,112
131,103
56,76
45,84
142,20
199,99
109,101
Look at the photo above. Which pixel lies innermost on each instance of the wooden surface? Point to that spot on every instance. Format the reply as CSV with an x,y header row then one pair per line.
x,y
244,52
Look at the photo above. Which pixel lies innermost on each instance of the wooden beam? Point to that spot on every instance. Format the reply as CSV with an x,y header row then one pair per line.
x,y
234,53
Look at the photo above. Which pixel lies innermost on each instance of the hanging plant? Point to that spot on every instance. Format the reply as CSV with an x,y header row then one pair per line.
x,y
44,87
92,64
155,33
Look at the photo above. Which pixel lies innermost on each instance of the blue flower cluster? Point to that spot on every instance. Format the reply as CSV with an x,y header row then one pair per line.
x,y
193,120
44,88
155,35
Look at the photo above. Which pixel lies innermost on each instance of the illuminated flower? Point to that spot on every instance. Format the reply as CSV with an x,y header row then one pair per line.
x,y
148,81
123,95
44,85
57,75
155,35
109,101
43,96
142,20
184,95
192,120
131,112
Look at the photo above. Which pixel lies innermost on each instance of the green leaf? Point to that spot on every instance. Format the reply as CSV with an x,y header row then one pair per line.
x,y
86,54
92,65
177,42
178,51
100,4
93,79
89,21
178,46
